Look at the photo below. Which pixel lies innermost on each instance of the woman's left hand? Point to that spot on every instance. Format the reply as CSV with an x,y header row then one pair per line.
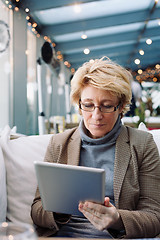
x,y
101,216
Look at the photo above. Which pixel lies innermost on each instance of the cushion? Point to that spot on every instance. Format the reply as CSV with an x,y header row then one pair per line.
x,y
155,133
3,196
19,155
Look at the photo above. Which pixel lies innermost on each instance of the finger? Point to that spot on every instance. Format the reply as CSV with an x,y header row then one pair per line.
x,y
95,219
98,209
107,202
81,206
93,205
92,215
92,208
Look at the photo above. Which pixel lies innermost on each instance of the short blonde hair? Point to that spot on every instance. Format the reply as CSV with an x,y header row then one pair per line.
x,y
104,74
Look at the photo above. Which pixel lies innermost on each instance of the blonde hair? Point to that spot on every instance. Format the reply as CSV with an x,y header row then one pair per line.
x,y
104,74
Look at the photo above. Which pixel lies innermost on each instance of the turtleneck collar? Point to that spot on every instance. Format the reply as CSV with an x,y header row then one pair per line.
x,y
110,137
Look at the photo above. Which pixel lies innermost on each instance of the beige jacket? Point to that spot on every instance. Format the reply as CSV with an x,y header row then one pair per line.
x,y
136,181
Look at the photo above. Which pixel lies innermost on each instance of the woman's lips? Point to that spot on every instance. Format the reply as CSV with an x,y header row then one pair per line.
x,y
97,124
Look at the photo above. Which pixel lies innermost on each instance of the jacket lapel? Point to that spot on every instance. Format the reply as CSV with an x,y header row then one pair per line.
x,y
122,157
74,148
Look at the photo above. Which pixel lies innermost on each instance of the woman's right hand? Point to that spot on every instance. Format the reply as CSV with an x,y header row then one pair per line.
x,y
102,216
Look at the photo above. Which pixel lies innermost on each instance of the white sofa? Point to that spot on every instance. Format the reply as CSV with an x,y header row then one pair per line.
x,y
17,176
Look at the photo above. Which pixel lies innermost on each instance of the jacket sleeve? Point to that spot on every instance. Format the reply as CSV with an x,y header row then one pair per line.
x,y
143,220
40,217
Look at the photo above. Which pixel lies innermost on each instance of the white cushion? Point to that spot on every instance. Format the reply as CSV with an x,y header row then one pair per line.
x,y
19,155
142,126
3,196
155,133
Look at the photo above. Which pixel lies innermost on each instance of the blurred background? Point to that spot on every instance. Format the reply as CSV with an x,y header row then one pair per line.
x,y
42,43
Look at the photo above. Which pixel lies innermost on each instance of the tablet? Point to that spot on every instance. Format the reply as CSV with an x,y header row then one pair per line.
x,y
62,186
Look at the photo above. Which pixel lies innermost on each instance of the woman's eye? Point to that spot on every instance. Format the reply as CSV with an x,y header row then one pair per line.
x,y
88,105
107,106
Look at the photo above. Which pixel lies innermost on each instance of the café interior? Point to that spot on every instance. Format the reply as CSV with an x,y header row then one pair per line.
x,y
42,44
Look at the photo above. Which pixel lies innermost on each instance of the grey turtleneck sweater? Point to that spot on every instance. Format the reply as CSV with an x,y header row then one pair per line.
x,y
98,153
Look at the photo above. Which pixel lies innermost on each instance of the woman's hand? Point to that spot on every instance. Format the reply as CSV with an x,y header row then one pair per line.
x,y
101,216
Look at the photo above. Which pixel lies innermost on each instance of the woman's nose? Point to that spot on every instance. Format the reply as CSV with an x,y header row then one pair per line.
x,y
97,114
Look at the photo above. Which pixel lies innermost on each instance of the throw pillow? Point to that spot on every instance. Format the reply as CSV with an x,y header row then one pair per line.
x,y
155,133
19,157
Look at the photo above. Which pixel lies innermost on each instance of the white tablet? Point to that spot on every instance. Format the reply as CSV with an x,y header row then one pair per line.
x,y
62,186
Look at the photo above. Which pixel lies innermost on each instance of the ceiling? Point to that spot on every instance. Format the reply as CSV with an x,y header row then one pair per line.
x,y
117,29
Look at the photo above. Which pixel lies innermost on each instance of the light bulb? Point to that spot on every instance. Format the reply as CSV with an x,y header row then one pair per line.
x,y
137,61
149,41
86,51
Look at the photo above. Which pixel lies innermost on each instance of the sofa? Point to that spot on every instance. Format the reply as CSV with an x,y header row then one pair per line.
x,y
17,175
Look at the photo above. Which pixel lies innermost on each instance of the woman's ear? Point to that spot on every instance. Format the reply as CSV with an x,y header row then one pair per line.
x,y
121,107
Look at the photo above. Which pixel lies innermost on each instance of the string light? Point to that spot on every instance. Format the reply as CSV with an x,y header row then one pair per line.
x,y
140,71
66,63
35,29
84,36
137,61
59,56
72,70
141,52
155,79
149,41
45,38
34,25
149,74
27,10
16,9
86,51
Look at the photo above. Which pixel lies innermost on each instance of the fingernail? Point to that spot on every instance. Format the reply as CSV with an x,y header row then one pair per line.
x,y
80,205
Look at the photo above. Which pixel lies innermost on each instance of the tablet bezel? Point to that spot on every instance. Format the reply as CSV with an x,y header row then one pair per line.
x,y
62,186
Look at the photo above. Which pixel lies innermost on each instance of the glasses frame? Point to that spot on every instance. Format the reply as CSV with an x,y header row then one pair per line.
x,y
99,107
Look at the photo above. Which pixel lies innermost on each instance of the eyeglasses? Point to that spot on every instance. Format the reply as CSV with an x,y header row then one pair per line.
x,y
90,107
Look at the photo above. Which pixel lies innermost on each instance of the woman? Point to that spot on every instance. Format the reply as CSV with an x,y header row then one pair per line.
x,y
130,158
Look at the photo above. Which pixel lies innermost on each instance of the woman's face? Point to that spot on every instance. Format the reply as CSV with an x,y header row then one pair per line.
x,y
99,123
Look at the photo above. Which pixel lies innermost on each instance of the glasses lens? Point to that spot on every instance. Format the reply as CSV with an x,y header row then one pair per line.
x,y
87,107
91,107
107,109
